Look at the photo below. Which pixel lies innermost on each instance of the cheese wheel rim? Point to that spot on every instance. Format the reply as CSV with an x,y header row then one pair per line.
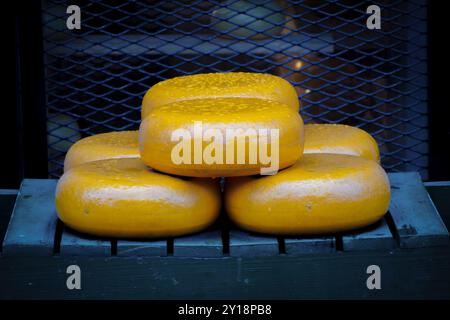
x,y
124,198
341,139
110,145
321,193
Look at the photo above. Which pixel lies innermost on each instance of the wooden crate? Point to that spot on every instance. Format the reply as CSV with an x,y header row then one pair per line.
x,y
410,245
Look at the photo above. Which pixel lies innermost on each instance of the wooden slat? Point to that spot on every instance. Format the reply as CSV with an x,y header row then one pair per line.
x,y
205,244
308,245
375,237
437,184
9,192
32,227
133,248
76,244
335,276
416,219
243,244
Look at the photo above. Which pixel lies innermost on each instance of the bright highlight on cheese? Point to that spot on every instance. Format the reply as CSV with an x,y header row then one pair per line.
x,y
221,137
321,193
125,198
229,148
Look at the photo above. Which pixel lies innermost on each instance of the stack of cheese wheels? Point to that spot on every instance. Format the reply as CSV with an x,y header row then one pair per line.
x,y
330,179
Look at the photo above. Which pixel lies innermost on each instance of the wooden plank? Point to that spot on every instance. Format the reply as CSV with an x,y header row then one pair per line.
x,y
243,244
309,245
328,276
202,245
374,237
133,248
32,227
9,192
437,184
416,219
77,244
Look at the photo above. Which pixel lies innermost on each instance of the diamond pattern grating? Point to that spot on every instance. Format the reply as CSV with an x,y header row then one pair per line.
x,y
343,72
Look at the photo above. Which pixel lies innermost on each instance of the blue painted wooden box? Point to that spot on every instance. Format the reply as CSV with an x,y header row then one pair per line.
x,y
410,245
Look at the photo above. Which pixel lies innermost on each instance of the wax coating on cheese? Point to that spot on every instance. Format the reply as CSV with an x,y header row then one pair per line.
x,y
124,198
228,120
321,193
121,144
220,85
342,139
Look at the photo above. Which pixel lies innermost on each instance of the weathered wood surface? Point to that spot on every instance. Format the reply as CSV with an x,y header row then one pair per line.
x,y
309,245
32,227
77,244
205,244
374,237
406,274
144,247
252,245
417,222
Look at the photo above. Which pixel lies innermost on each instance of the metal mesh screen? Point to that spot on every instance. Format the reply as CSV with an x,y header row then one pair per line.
x,y
344,72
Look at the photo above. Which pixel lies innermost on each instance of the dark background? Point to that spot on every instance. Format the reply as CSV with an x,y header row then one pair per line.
x,y
24,150
439,103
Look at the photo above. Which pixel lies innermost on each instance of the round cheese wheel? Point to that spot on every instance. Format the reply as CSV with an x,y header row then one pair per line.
x,y
321,193
124,198
220,85
122,144
342,139
221,137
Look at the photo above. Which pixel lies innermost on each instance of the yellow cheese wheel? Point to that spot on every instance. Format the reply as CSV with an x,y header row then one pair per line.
x,y
321,193
123,144
164,149
220,85
124,198
339,138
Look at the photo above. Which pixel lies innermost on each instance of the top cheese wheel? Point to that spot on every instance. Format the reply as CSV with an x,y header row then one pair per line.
x,y
123,144
221,137
321,193
220,85
319,138
342,139
124,198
